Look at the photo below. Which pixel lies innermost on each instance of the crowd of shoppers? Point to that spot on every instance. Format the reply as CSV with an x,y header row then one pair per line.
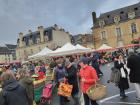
x,y
79,71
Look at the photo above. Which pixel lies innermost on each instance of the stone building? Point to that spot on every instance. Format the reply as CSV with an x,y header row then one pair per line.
x,y
118,27
33,42
84,40
7,53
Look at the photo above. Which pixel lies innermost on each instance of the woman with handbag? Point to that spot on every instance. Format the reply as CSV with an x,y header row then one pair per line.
x,y
72,80
88,77
60,74
119,64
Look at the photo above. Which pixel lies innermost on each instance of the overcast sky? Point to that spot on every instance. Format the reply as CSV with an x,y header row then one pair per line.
x,y
73,15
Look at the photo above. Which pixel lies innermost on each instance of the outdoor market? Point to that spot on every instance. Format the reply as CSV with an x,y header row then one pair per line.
x,y
41,66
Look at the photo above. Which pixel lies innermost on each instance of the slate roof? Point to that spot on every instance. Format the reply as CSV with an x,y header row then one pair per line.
x,y
7,49
11,46
78,38
4,50
108,17
36,34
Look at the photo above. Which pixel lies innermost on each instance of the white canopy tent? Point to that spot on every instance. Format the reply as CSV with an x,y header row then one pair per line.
x,y
69,49
82,47
66,47
43,52
86,50
104,47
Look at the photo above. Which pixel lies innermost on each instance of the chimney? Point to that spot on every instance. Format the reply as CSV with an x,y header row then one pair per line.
x,y
41,31
20,39
40,27
20,34
56,27
94,18
29,31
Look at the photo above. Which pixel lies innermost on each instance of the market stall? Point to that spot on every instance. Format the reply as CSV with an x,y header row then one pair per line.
x,y
43,52
104,47
69,49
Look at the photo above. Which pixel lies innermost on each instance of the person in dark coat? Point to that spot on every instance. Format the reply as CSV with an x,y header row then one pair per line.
x,y
123,82
12,92
95,64
72,80
60,74
26,81
133,63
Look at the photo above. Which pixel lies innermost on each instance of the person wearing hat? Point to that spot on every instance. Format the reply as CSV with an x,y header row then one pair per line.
x,y
88,77
133,63
72,80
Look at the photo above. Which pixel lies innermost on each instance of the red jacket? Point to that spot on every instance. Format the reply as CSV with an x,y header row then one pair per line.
x,y
89,74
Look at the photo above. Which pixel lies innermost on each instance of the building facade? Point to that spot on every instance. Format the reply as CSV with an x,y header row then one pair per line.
x,y
118,27
7,53
84,40
33,42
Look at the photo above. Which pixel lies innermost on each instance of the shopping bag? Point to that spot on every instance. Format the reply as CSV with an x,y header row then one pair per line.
x,y
65,89
82,99
97,92
34,103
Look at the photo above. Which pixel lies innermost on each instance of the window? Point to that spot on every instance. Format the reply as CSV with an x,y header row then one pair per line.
x,y
116,19
31,51
121,12
18,53
103,35
30,41
39,48
101,23
46,38
25,52
38,40
108,16
136,8
131,15
118,31
133,28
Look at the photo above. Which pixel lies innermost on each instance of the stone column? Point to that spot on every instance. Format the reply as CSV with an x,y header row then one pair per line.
x,y
41,30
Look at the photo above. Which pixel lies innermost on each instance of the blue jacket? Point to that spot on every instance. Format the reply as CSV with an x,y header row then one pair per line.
x,y
60,73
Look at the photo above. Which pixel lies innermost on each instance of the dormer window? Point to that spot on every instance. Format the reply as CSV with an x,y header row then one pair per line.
x,y
31,41
38,40
101,23
46,38
131,15
121,12
136,8
116,19
108,16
